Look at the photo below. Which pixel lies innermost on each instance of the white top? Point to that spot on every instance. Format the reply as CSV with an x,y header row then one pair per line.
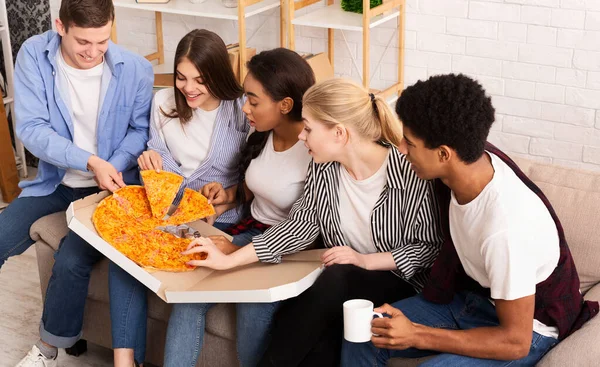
x,y
188,143
357,200
277,180
83,93
506,239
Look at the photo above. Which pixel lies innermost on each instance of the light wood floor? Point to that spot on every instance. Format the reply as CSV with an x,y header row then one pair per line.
x,y
20,313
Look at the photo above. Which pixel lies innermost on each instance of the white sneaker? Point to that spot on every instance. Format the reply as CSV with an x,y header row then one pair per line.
x,y
35,358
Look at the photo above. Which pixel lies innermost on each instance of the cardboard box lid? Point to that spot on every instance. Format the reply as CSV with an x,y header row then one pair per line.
x,y
320,65
256,282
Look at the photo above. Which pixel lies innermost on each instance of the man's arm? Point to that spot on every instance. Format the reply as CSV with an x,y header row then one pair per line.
x,y
33,119
510,340
134,143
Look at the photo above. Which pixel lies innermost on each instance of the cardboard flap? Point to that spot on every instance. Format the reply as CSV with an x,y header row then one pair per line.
x,y
251,283
206,229
308,255
79,219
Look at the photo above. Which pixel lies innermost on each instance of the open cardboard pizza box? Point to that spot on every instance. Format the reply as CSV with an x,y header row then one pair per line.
x,y
252,283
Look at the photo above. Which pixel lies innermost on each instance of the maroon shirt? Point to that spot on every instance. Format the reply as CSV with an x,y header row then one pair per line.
x,y
558,301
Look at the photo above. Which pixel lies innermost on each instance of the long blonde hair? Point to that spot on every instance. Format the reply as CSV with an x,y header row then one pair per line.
x,y
342,101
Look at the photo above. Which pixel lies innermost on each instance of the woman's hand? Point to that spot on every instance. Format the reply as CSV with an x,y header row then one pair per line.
x,y
150,160
215,259
215,193
343,255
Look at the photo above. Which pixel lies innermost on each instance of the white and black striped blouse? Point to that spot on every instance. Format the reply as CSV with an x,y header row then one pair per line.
x,y
404,220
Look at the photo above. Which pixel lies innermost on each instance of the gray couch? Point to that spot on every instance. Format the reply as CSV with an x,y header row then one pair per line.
x,y
575,195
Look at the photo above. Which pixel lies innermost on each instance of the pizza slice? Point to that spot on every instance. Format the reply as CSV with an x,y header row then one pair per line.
x,y
157,251
161,189
133,199
193,206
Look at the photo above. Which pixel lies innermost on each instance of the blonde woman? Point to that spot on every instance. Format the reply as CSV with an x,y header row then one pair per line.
x,y
378,219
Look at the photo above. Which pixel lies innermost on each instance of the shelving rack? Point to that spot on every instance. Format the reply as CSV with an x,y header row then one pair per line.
x,y
10,91
208,9
333,17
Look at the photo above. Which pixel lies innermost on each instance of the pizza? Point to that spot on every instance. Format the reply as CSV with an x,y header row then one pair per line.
x,y
126,221
133,199
193,206
161,189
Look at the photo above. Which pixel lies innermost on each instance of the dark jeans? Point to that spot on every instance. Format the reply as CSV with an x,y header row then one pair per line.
x,y
62,318
467,311
308,329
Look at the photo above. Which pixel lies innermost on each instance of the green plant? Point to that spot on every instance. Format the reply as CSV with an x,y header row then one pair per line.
x,y
356,6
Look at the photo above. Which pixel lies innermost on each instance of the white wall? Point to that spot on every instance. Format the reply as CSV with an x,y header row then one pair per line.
x,y
539,59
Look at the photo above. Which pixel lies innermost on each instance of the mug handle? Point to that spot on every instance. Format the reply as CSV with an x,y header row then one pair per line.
x,y
377,315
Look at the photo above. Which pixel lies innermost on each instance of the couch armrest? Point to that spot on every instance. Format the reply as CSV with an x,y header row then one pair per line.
x,y
581,348
51,229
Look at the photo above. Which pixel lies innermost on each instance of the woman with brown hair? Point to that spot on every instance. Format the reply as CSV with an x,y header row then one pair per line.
x,y
197,130
274,86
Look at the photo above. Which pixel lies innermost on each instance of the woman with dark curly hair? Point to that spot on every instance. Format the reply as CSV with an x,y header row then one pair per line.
x,y
274,86
504,289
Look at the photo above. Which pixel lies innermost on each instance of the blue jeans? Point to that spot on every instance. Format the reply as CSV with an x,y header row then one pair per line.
x,y
62,318
466,311
185,334
129,305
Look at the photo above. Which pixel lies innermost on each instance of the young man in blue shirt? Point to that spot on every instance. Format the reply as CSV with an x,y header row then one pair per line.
x,y
82,106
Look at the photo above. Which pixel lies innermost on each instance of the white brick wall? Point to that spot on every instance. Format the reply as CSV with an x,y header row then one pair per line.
x,y
539,59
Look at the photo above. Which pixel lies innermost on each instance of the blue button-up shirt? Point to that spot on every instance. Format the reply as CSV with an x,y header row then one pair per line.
x,y
44,122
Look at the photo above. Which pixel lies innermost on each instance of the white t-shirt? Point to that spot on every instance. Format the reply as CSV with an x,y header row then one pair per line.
x,y
188,143
277,180
83,91
506,239
357,200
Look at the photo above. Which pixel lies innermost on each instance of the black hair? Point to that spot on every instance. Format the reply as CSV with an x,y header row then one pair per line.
x,y
281,73
451,110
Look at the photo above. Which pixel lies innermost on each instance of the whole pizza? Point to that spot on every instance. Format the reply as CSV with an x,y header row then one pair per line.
x,y
128,220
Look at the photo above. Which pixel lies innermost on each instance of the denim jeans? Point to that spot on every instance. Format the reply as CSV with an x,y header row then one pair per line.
x,y
466,311
129,305
185,334
62,318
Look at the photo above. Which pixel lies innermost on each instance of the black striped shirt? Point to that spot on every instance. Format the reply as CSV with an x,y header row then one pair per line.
x,y
404,220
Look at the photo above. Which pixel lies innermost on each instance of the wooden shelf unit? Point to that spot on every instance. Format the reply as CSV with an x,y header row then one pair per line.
x,y
208,9
333,17
8,102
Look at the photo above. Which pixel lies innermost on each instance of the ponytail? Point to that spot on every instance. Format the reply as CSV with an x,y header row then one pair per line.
x,y
391,128
255,144
335,101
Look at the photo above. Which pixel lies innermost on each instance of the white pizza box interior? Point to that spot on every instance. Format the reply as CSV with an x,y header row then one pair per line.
x,y
252,283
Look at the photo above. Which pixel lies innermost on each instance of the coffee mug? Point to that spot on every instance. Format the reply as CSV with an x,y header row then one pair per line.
x,y
358,314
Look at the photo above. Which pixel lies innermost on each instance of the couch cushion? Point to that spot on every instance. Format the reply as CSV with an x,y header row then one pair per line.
x,y
575,195
221,321
581,348
51,228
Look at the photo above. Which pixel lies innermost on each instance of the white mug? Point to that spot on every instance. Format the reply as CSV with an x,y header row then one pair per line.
x,y
358,314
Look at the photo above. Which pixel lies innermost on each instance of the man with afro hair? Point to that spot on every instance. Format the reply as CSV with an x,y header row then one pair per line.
x,y
504,287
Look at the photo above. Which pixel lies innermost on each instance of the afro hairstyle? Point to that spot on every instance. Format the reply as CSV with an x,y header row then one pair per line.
x,y
451,110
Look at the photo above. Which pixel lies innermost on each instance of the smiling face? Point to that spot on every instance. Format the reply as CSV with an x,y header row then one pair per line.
x,y
261,110
190,83
83,48
324,142
427,163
